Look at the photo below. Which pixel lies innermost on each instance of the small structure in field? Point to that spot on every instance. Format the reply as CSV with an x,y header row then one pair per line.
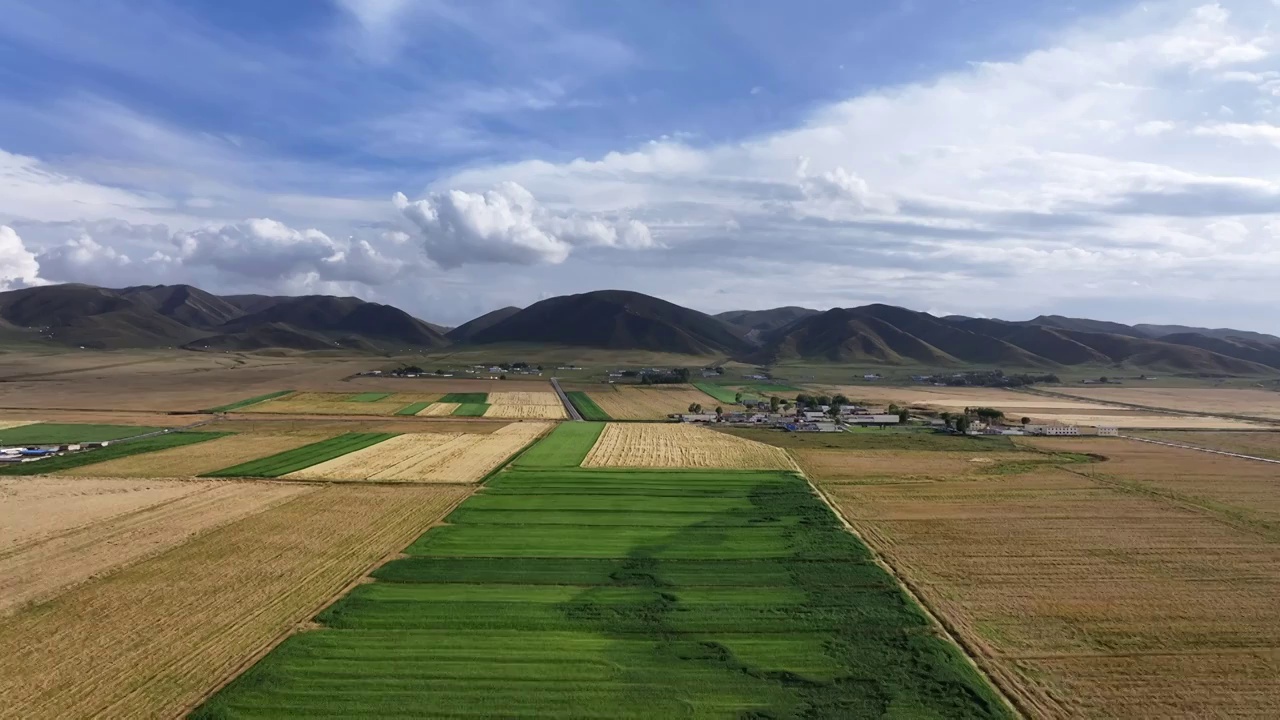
x,y
1052,429
1108,431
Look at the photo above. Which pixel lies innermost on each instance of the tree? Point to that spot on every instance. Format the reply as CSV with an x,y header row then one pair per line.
x,y
1026,421
903,415
987,413
1103,379
774,404
840,400
946,419
737,398
719,411
502,377
695,408
834,412
962,424
892,409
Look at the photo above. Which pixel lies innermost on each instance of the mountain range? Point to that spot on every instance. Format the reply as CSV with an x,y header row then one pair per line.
x,y
187,317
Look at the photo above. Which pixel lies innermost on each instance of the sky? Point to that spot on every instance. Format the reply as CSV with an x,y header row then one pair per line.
x,y
992,158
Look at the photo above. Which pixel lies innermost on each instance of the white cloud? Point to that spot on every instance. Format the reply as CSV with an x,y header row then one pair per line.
x,y
18,265
841,186
1265,133
508,225
1152,128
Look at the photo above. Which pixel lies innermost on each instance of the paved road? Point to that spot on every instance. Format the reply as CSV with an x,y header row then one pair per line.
x,y
568,406
1207,450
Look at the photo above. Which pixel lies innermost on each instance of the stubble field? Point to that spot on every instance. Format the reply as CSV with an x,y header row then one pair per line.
x,y
189,617
1138,586
652,445
1244,401
655,403
1259,444
525,405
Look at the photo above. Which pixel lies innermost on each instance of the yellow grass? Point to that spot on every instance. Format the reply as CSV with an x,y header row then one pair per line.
x,y
438,409
10,424
428,457
41,566
681,446
151,640
628,403
193,460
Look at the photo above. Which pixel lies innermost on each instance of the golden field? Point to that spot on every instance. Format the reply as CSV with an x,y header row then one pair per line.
x,y
653,445
649,403
438,409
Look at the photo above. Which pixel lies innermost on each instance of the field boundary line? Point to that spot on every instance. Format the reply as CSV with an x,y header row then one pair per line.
x,y
308,623
995,677
1201,449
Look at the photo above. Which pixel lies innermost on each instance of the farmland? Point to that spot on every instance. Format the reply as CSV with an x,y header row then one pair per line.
x,y
586,407
55,433
327,403
1243,402
250,401
648,403
428,457
525,405
187,618
1140,585
302,457
11,424
654,445
193,460
438,409
471,410
113,452
634,594
719,393
1259,444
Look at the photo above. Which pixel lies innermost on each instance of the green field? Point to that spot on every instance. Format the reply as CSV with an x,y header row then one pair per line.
x,y
587,407
413,409
472,398
249,401
621,594
471,410
303,457
111,452
719,392
61,433
368,397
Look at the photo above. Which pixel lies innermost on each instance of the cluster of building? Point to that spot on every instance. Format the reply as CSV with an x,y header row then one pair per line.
x,y
980,428
40,452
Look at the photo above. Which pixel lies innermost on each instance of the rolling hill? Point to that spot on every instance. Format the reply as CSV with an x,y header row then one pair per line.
x,y
467,330
616,320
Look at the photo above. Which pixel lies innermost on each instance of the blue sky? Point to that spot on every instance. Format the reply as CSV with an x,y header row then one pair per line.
x,y
984,157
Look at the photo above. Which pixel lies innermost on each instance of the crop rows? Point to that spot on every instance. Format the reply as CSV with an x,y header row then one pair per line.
x,y
570,592
656,445
649,403
413,408
587,407
112,452
303,457
439,409
189,461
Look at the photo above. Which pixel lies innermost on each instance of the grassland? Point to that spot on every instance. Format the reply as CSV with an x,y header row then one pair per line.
x,y
62,463
48,433
249,401
587,407
182,621
471,410
633,594
719,393
1141,585
654,445
303,457
466,398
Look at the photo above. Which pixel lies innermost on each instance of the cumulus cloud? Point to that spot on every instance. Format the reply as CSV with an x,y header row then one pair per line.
x,y
18,265
1264,133
841,186
508,225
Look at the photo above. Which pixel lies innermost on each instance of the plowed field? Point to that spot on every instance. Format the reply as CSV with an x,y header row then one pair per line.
x,y
429,457
669,445
196,459
627,403
36,569
152,639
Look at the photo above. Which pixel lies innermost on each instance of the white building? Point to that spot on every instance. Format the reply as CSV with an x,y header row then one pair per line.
x,y
1052,429
1108,431
872,419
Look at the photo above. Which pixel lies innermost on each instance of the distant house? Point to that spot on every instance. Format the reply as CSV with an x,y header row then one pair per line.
x,y
872,419
1108,431
1051,429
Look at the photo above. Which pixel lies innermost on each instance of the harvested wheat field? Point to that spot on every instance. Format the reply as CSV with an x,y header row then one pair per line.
x,y
897,466
525,405
1240,491
637,403
108,535
667,445
183,622
428,457
949,398
438,409
1083,598
1139,419
1260,444
1243,402
198,459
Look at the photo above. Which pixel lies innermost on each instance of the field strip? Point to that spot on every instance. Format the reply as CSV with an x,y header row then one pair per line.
x,y
440,409
413,408
194,460
526,412
669,445
112,452
363,464
468,460
303,457
1202,449
11,424
1009,692
248,401
39,569
183,621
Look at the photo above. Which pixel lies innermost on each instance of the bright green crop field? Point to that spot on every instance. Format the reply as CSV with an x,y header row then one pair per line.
x,y
719,392
473,398
587,407
58,433
413,409
621,594
471,410
303,457
111,452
